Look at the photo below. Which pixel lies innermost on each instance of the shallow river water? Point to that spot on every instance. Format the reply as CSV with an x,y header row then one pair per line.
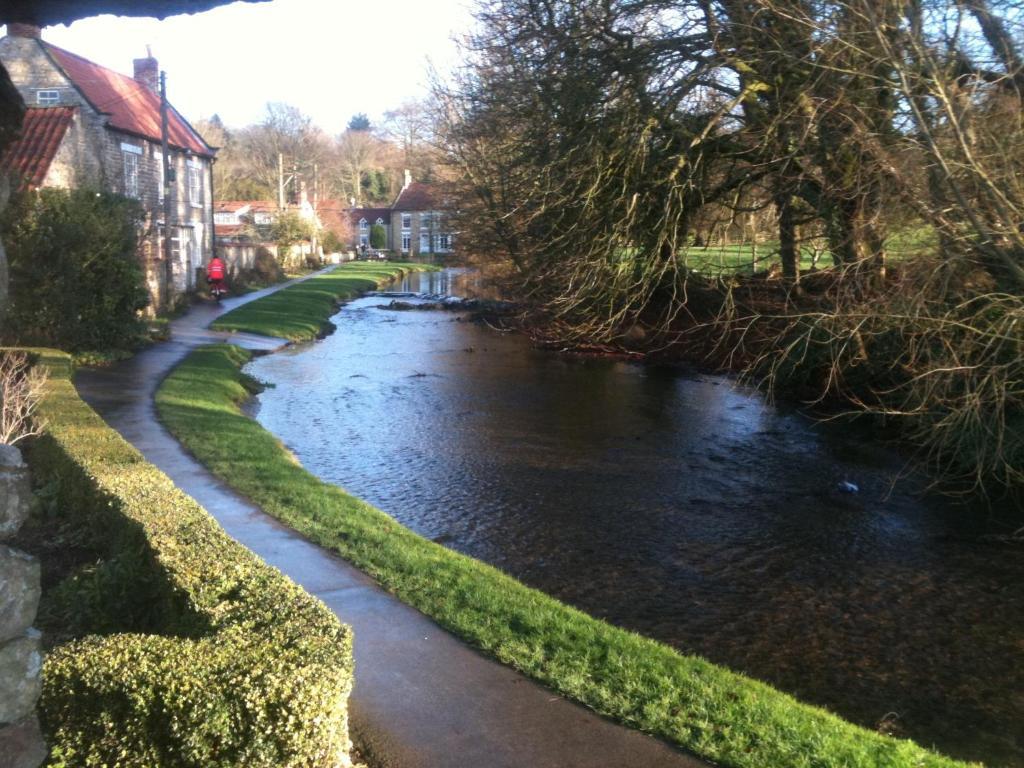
x,y
676,505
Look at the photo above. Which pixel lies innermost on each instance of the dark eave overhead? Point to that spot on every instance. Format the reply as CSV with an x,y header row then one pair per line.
x,y
47,12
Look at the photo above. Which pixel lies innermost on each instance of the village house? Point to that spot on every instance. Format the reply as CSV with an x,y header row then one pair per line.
x,y
415,224
90,127
243,227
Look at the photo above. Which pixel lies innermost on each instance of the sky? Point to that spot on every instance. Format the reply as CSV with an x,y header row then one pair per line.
x,y
330,58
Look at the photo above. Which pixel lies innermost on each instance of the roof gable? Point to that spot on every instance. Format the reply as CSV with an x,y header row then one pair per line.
x,y
28,158
132,107
417,196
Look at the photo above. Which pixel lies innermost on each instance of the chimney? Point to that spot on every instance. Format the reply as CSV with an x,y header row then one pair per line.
x,y
15,29
408,179
147,71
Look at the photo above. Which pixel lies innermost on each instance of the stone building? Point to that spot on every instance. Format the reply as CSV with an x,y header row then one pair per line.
x,y
416,223
87,126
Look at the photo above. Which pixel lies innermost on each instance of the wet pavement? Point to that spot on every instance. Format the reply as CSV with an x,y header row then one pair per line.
x,y
422,698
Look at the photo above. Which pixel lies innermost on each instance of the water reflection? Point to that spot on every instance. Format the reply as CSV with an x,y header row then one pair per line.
x,y
675,505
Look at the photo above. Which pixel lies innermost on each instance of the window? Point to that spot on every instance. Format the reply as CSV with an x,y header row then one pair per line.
x,y
380,222
407,221
363,225
424,242
263,218
364,241
225,218
443,243
406,242
425,219
195,183
131,153
47,98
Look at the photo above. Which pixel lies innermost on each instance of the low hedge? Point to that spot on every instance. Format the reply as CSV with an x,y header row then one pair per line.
x,y
223,662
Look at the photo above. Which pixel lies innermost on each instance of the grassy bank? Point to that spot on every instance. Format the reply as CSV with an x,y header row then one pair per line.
x,y
701,707
300,312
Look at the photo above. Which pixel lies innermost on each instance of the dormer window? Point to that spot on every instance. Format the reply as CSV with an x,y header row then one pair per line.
x,y
363,225
47,98
380,222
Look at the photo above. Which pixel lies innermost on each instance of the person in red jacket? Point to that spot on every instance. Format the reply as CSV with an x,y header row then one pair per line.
x,y
215,276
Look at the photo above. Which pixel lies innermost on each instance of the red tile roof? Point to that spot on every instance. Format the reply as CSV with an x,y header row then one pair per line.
x,y
29,157
132,107
416,197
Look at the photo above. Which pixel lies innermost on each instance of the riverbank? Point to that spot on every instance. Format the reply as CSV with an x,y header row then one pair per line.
x,y
301,312
698,706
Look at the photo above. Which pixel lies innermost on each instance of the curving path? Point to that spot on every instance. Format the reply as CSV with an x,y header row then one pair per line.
x,y
422,697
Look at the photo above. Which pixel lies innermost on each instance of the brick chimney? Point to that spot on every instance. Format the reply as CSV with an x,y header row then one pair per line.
x,y
14,29
147,71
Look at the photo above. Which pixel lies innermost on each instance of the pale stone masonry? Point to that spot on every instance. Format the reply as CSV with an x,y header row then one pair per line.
x,y
113,143
21,744
416,224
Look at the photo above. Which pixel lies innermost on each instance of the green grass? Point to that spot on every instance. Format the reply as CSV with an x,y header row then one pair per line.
x,y
739,258
300,312
701,707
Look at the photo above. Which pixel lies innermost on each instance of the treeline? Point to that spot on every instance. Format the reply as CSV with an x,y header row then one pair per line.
x,y
602,141
365,162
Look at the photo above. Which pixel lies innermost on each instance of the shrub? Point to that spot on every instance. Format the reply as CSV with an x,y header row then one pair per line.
x,y
332,243
76,282
221,661
21,387
289,229
378,236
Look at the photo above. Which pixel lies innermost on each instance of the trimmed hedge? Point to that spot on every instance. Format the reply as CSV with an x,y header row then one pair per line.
x,y
238,666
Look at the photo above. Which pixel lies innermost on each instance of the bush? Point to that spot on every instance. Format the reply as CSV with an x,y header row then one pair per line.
x,y
21,387
76,281
219,661
378,236
289,229
332,243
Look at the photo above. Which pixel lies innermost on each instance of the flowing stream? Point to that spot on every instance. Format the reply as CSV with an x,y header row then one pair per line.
x,y
674,504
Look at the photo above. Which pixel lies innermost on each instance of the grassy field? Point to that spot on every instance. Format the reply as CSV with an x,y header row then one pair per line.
x,y
721,259
701,707
300,312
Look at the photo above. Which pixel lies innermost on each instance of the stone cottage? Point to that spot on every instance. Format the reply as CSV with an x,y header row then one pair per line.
x,y
87,126
416,223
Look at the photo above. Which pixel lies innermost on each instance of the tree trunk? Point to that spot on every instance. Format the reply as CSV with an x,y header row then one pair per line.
x,y
787,240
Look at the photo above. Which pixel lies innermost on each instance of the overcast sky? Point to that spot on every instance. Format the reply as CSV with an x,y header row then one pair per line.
x,y
330,58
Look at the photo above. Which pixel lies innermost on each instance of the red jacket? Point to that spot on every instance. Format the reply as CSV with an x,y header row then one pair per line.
x,y
215,269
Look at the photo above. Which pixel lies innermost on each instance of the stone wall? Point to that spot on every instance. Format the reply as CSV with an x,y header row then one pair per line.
x,y
21,743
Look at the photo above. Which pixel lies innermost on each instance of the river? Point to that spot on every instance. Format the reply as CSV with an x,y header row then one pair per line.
x,y
677,505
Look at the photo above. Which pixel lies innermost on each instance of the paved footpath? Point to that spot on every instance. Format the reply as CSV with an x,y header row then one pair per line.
x,y
422,697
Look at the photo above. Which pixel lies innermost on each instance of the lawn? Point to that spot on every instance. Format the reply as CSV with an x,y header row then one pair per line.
x,y
721,259
703,708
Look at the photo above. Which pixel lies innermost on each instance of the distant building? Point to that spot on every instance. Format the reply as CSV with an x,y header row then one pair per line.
x,y
244,226
91,127
415,224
